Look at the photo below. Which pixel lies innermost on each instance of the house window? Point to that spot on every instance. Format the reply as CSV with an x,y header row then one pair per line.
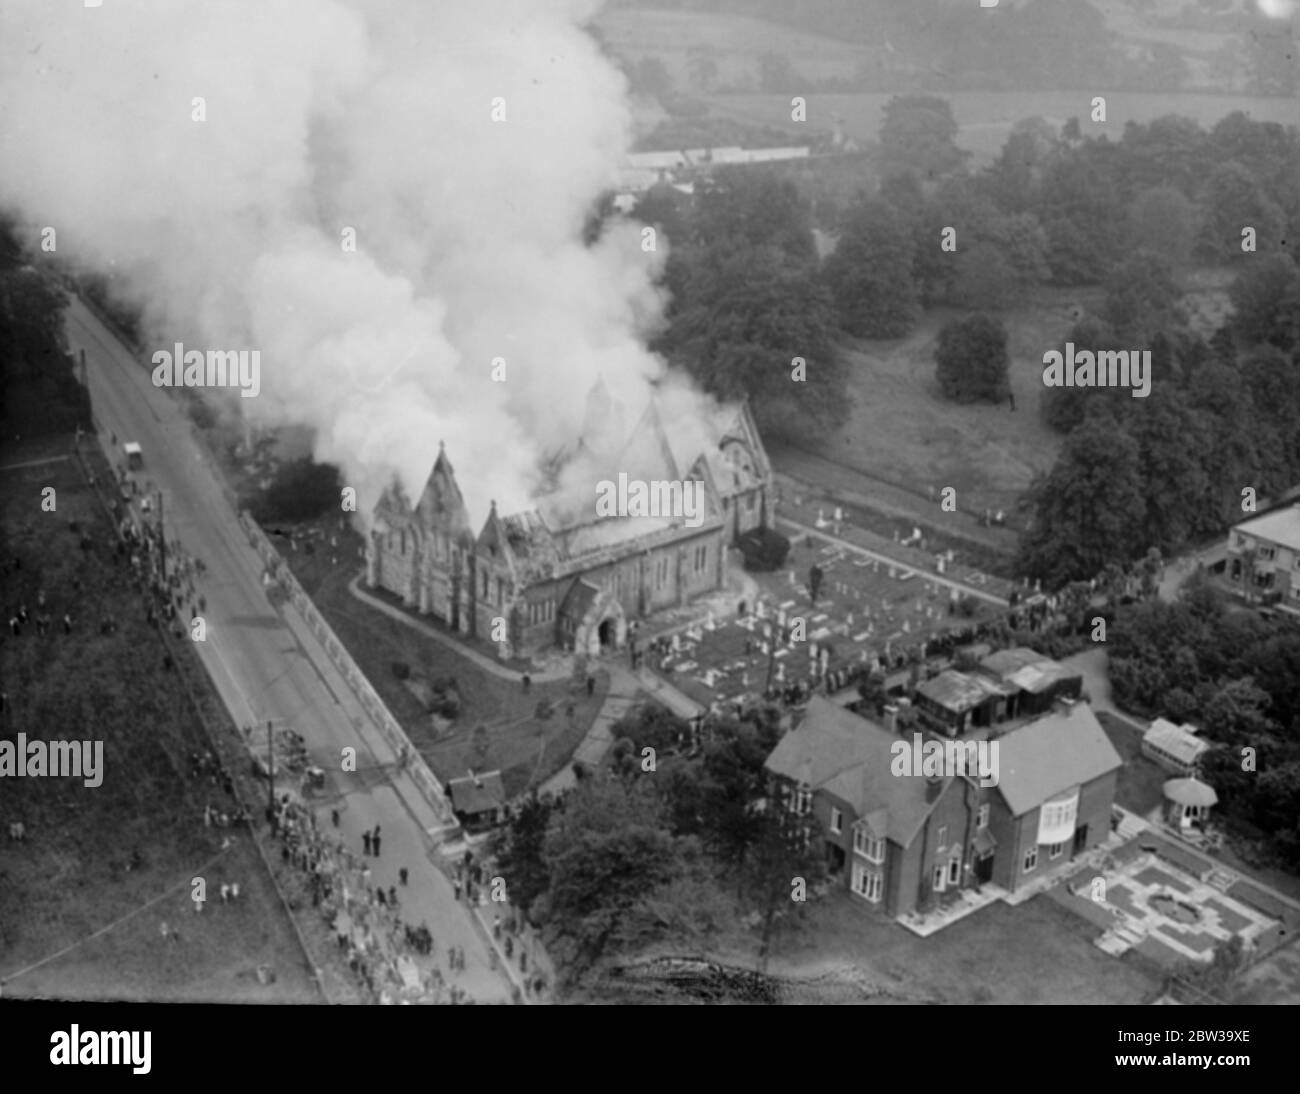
x,y
1031,858
943,836
1267,554
954,871
803,802
982,816
859,841
876,849
867,883
1054,851
837,821
938,879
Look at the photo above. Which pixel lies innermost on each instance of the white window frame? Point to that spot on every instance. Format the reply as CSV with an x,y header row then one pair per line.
x,y
875,887
837,821
802,802
875,849
1055,849
954,870
1031,858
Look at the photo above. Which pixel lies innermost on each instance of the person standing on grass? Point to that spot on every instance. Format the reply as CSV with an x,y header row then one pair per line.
x,y
365,840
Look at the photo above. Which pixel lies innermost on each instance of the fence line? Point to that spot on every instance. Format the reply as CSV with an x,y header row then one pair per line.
x,y
371,703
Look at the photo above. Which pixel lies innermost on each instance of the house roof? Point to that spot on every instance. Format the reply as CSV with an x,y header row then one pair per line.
x,y
1026,669
477,793
1190,792
958,691
844,754
1180,742
1282,526
581,595
1045,757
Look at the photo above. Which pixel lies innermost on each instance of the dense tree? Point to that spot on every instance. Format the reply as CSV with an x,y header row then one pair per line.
x,y
519,849
1083,214
1017,174
1064,408
738,327
1141,295
971,359
1266,301
299,490
870,273
1162,220
776,75
919,134
606,851
742,208
1089,509
1232,202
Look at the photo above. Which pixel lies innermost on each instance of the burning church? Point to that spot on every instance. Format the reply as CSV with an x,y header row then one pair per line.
x,y
562,575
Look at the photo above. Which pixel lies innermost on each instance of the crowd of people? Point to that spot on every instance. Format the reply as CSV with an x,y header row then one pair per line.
x,y
377,942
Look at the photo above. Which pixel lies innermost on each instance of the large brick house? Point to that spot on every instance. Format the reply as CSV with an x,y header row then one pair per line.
x,y
895,839
559,575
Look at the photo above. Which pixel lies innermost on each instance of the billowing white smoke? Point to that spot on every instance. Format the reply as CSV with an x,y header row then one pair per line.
x,y
323,115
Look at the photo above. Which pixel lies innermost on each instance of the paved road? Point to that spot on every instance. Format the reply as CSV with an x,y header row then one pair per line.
x,y
267,665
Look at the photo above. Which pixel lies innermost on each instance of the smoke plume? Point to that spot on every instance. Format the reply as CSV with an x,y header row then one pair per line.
x,y
326,115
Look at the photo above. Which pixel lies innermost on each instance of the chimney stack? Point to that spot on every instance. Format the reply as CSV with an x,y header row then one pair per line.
x,y
891,718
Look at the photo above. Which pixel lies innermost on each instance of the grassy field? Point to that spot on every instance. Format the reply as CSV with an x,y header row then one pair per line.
x,y
102,868
901,429
527,750
1034,954
737,41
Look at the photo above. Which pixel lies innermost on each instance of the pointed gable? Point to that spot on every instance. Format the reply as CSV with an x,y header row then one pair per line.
x,y
441,507
647,454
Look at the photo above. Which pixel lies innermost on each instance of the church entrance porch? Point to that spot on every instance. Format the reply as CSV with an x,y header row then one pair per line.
x,y
603,627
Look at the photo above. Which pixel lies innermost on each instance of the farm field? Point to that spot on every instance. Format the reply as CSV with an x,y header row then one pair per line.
x,y
984,118
737,42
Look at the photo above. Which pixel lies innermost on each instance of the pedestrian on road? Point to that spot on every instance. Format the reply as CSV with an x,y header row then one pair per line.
x,y
456,888
375,840
365,840
591,684
334,816
402,875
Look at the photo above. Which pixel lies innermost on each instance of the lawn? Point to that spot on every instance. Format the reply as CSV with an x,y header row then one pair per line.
x,y
1140,779
527,750
118,858
1037,953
